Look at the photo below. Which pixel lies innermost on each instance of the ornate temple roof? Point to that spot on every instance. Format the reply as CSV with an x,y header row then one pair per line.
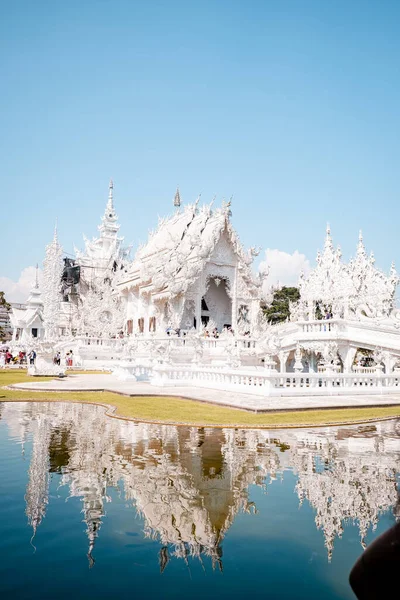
x,y
355,286
25,317
176,252
102,251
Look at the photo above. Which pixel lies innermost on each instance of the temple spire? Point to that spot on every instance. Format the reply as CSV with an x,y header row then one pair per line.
x,y
110,203
37,276
177,198
328,238
360,246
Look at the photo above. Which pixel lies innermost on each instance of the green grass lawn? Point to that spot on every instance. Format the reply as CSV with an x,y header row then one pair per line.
x,y
178,410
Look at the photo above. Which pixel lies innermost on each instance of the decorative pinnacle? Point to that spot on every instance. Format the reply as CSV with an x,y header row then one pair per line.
x,y
109,212
177,199
37,277
328,239
55,239
360,247
110,194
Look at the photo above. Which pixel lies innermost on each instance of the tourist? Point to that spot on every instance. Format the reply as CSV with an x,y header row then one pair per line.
x,y
9,357
32,357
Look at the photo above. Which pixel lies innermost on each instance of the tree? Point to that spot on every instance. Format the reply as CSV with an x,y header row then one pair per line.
x,y
3,301
279,309
7,307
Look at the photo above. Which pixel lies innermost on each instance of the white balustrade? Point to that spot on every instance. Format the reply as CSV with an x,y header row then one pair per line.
x,y
364,370
320,326
268,383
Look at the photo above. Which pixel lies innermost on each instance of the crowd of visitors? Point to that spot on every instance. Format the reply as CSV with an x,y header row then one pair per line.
x,y
21,358
7,358
207,333
68,359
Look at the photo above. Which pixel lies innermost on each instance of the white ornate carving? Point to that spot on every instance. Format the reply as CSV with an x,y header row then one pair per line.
x,y
185,252
52,269
298,365
355,290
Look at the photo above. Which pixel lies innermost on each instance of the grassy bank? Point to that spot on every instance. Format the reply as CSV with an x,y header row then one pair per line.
x,y
177,410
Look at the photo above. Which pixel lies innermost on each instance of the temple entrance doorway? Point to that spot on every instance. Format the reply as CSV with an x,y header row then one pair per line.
x,y
216,305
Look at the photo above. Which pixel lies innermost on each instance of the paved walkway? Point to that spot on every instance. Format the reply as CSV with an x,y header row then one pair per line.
x,y
81,383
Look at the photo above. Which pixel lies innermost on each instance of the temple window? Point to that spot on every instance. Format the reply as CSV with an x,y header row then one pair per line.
x,y
129,326
243,316
34,332
152,324
203,304
141,324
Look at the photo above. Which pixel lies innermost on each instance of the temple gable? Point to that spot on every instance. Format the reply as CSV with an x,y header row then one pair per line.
x,y
223,253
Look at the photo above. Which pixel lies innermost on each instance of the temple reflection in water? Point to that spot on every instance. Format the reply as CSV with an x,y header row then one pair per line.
x,y
188,484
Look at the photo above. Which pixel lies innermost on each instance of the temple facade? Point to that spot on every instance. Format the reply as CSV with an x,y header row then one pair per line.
x,y
28,320
192,274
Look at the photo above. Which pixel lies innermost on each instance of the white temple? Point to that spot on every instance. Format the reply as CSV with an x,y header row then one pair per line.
x,y
187,310
192,271
27,320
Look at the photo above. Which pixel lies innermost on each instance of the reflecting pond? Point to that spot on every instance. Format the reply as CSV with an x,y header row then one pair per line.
x,y
92,505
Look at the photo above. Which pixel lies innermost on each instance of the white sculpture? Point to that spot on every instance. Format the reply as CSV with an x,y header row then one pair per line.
x,y
52,271
298,365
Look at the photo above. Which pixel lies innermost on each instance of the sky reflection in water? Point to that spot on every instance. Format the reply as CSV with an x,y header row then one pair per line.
x,y
91,505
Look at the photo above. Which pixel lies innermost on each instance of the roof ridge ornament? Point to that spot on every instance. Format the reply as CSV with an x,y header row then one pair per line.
x,y
328,238
360,246
110,203
226,208
177,198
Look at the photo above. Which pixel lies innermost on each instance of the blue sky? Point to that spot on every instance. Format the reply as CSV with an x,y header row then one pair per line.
x,y
292,107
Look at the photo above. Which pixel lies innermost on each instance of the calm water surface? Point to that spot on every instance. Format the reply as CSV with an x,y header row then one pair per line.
x,y
97,507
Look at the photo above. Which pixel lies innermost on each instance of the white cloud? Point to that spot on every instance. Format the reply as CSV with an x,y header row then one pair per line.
x,y
18,291
283,268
